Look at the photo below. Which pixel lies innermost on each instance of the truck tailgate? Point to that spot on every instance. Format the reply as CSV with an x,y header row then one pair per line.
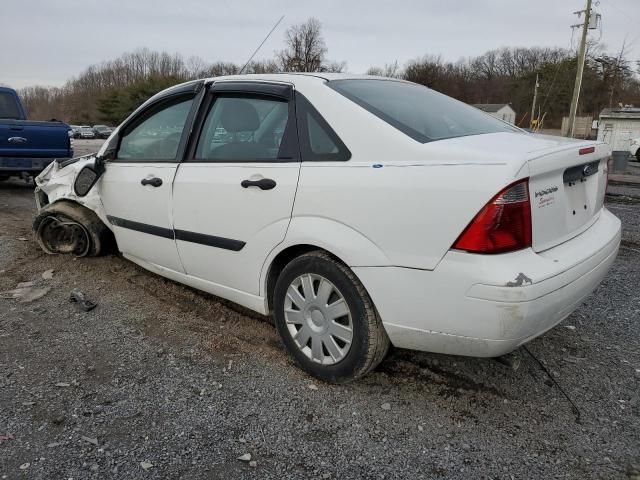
x,y
34,139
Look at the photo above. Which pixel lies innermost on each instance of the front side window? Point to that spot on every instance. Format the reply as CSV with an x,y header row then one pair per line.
x,y
157,136
241,128
421,113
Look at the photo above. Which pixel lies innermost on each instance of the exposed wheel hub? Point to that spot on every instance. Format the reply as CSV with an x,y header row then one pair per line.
x,y
63,235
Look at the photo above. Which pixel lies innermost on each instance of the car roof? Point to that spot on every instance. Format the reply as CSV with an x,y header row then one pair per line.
x,y
298,78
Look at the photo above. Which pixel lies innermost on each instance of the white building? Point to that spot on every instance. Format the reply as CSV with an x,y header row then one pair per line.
x,y
503,111
617,126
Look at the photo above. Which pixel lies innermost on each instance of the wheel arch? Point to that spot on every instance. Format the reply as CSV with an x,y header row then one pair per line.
x,y
281,260
305,234
103,240
73,202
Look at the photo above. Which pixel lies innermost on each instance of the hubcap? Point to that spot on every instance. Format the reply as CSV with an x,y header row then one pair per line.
x,y
318,319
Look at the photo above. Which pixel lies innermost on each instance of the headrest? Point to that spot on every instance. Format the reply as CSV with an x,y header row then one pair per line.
x,y
239,116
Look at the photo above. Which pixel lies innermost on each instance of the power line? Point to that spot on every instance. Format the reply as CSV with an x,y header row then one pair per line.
x,y
629,18
555,75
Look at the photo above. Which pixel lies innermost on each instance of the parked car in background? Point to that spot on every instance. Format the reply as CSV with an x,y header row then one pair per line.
x,y
360,212
27,147
87,132
102,131
75,129
634,148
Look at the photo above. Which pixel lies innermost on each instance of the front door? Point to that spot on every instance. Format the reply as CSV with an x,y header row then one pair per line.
x,y
233,194
136,187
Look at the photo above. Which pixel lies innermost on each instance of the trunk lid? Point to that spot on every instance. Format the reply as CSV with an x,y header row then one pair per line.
x,y
567,183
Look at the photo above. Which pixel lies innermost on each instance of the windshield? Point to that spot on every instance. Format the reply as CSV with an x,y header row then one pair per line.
x,y
9,106
421,113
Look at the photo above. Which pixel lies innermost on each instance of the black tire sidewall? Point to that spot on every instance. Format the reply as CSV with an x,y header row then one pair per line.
x,y
353,363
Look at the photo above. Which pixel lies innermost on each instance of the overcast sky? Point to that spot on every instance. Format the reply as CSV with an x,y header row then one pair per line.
x,y
46,42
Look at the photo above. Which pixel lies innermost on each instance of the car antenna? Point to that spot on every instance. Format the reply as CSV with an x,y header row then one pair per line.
x,y
260,46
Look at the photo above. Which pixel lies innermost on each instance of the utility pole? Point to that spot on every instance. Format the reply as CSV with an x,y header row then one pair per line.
x,y
533,107
582,53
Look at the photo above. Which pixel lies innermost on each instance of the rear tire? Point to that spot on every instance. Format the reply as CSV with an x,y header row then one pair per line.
x,y
638,155
67,227
330,327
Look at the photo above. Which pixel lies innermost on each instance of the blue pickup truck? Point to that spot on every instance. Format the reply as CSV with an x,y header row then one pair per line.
x,y
27,147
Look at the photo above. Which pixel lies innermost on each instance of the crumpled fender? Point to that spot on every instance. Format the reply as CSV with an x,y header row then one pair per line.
x,y
57,183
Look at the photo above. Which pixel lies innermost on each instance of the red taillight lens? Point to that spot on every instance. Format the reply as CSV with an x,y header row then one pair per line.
x,y
586,150
503,225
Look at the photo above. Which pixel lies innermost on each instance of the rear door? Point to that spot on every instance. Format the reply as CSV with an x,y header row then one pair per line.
x,y
233,194
136,187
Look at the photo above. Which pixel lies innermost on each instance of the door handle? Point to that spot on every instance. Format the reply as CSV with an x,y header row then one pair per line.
x,y
154,182
262,184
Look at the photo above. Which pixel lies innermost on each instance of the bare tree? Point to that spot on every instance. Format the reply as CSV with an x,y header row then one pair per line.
x,y
391,70
305,49
506,75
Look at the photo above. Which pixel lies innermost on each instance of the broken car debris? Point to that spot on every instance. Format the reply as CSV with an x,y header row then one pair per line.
x,y
83,302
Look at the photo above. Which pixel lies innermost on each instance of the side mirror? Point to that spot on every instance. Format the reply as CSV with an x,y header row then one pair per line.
x,y
85,180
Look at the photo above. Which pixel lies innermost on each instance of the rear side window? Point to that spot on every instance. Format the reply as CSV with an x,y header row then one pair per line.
x,y
318,141
9,106
421,113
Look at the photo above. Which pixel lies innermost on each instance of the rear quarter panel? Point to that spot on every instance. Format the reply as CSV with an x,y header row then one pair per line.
x,y
409,201
410,214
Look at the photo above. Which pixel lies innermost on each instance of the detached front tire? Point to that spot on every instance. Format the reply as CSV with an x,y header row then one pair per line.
x,y
327,320
67,227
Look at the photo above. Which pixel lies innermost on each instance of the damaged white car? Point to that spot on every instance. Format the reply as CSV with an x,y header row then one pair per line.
x,y
359,211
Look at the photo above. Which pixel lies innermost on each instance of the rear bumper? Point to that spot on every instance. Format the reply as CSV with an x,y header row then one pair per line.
x,y
488,305
16,165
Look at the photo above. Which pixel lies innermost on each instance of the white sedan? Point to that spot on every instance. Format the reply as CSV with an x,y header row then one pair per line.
x,y
359,211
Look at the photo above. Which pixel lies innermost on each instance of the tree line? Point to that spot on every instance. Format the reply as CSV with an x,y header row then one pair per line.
x,y
110,91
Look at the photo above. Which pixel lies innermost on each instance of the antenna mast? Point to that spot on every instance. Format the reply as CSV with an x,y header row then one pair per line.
x,y
260,46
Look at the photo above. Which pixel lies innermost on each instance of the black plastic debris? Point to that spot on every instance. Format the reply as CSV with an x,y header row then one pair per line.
x,y
83,302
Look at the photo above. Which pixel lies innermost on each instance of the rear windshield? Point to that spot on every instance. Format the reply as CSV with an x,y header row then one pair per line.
x,y
9,106
423,114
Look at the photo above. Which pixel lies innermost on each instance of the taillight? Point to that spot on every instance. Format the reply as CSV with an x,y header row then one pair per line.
x,y
503,225
607,169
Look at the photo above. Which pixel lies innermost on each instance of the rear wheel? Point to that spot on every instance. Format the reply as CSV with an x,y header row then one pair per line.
x,y
327,320
638,155
67,227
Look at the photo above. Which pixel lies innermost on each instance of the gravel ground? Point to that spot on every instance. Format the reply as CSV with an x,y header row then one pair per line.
x,y
160,381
